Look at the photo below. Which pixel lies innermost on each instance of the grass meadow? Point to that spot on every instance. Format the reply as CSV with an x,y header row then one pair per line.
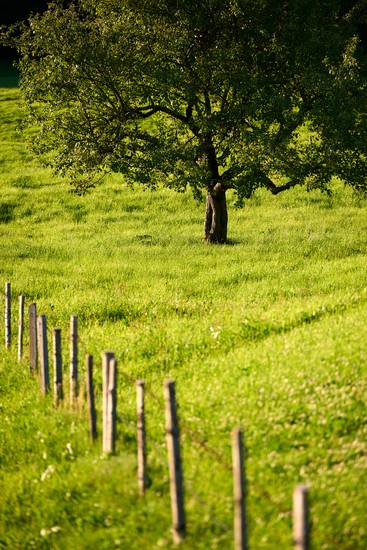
x,y
268,333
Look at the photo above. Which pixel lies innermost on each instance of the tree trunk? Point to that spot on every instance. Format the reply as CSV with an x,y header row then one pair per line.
x,y
216,216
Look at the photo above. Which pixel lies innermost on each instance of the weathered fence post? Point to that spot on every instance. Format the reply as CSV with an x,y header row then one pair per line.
x,y
58,389
301,528
33,355
20,327
74,387
43,353
142,478
7,315
174,462
109,440
239,491
106,357
90,398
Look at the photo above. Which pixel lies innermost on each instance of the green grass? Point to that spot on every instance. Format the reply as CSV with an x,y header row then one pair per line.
x,y
268,333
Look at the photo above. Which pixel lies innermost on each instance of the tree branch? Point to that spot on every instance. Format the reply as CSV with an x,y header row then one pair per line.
x,y
231,173
208,107
189,109
286,130
153,109
224,99
275,189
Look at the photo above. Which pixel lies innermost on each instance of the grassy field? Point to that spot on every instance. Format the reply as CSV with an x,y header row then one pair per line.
x,y
268,333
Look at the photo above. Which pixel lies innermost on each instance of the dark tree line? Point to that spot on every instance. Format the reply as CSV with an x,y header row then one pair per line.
x,y
17,10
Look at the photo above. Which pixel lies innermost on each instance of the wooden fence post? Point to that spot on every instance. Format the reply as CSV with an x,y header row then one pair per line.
x,y
43,353
110,438
141,438
7,315
90,398
106,356
33,351
301,528
174,462
58,389
74,386
20,327
239,491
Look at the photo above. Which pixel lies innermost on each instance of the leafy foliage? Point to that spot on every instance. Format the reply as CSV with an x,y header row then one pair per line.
x,y
244,93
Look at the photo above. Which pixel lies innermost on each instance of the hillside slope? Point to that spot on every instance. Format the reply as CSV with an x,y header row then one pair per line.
x,y
268,333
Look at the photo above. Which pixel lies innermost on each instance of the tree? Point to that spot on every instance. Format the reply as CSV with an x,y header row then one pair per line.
x,y
210,94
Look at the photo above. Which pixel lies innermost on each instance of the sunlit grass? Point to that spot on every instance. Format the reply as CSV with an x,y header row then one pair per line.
x,y
267,333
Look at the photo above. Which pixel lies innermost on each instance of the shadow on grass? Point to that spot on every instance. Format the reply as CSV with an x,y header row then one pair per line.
x,y
6,212
234,242
255,331
201,240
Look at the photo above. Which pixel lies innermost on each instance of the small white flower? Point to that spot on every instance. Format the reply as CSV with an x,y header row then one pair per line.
x,y
215,332
108,521
48,472
69,449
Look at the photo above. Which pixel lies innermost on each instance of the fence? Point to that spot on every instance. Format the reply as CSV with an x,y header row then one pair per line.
x,y
39,363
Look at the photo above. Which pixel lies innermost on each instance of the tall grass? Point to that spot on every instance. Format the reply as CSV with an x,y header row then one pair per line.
x,y
268,333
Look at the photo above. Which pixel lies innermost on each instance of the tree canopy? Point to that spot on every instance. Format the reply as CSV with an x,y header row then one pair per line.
x,y
209,94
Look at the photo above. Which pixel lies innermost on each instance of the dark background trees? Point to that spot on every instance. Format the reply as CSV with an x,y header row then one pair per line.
x,y
211,95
